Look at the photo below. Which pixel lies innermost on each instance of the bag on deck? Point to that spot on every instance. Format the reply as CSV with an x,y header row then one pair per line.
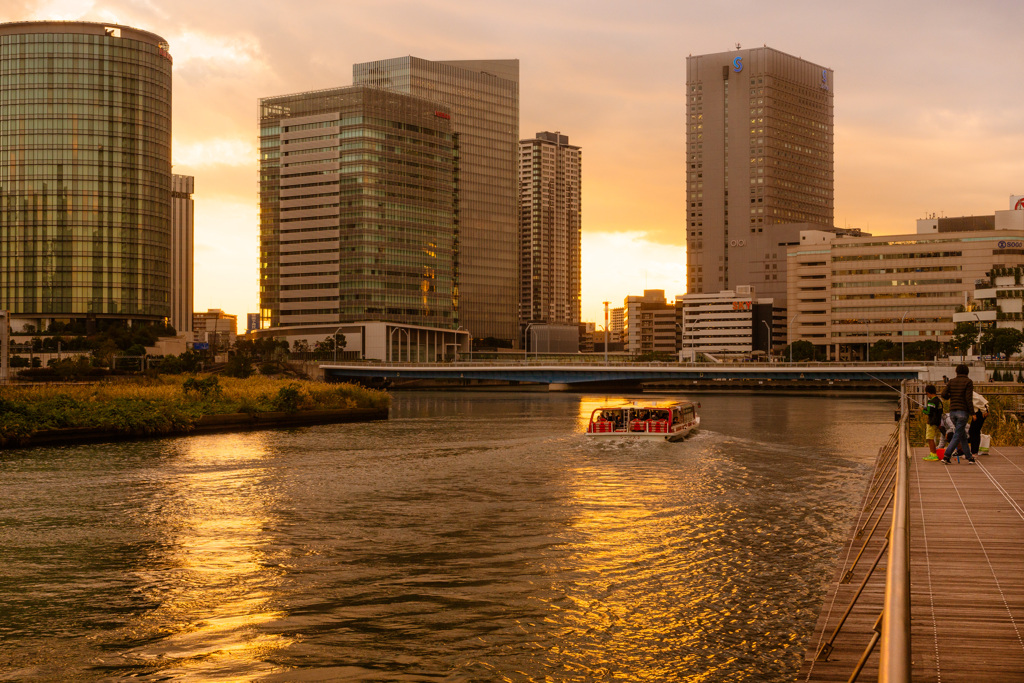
x,y
984,443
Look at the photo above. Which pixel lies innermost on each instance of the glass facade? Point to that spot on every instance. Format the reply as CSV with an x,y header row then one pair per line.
x,y
85,171
483,99
358,209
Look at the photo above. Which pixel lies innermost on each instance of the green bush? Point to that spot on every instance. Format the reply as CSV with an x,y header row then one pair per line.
x,y
287,398
205,388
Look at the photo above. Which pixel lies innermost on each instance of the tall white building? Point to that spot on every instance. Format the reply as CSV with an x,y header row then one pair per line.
x,y
549,225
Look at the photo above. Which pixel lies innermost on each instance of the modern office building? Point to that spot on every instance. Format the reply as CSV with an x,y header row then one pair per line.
x,y
649,323
549,223
846,293
358,205
182,252
482,98
759,158
85,183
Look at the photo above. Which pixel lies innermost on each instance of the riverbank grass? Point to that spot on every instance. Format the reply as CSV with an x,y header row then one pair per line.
x,y
167,404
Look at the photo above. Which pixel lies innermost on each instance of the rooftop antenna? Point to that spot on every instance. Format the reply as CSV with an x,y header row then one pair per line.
x,y
737,46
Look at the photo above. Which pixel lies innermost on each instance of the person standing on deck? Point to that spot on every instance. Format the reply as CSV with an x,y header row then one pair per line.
x,y
980,407
933,409
960,392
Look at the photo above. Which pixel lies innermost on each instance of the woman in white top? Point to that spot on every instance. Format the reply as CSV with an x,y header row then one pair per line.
x,y
980,413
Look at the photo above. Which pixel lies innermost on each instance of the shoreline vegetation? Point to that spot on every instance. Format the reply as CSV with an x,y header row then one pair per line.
x,y
176,404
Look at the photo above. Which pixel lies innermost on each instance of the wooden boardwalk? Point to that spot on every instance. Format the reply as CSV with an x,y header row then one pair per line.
x,y
967,577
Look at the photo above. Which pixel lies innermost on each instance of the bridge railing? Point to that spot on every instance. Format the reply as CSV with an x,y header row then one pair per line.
x,y
535,362
891,631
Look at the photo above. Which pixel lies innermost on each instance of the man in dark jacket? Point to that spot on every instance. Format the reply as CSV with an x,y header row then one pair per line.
x,y
960,392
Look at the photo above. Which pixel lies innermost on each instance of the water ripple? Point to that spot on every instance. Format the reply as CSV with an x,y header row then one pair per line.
x,y
472,537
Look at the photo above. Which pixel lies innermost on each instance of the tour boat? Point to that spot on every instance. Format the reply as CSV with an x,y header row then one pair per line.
x,y
670,421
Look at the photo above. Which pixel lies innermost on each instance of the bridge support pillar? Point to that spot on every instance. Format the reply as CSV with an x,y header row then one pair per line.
x,y
558,387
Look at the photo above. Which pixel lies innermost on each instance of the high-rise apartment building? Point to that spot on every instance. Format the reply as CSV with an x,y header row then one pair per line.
x,y
549,206
483,100
759,159
85,183
357,209
182,251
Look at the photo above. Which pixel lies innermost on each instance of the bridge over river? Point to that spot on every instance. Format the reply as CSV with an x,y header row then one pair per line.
x,y
563,375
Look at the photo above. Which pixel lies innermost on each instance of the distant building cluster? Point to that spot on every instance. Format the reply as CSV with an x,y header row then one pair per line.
x,y
404,212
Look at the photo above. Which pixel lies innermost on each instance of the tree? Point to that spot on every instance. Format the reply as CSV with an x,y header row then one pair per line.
x,y
926,349
1001,341
239,366
884,349
329,344
803,350
964,335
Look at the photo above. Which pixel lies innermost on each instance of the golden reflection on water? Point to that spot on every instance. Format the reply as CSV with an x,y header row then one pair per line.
x,y
213,583
628,541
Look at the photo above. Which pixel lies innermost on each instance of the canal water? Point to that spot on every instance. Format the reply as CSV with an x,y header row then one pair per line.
x,y
472,537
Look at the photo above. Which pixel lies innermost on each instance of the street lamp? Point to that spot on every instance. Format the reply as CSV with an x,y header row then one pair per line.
x,y
526,342
336,344
902,340
765,323
606,332
789,332
978,335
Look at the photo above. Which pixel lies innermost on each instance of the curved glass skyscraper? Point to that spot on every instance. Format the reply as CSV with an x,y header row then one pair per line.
x,y
85,172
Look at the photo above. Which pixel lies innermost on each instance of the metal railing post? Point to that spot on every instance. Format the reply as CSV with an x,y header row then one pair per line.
x,y
894,662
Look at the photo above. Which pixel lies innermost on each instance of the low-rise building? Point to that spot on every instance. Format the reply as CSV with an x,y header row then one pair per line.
x,y
731,323
997,301
847,293
379,340
216,328
649,323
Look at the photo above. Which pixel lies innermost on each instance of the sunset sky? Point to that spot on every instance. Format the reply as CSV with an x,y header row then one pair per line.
x,y
928,105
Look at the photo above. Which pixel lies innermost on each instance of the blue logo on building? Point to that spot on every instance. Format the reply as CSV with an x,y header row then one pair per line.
x,y
737,64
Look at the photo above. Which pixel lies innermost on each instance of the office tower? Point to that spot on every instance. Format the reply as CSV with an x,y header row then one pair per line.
x,y
759,163
182,251
357,204
483,99
549,215
85,183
